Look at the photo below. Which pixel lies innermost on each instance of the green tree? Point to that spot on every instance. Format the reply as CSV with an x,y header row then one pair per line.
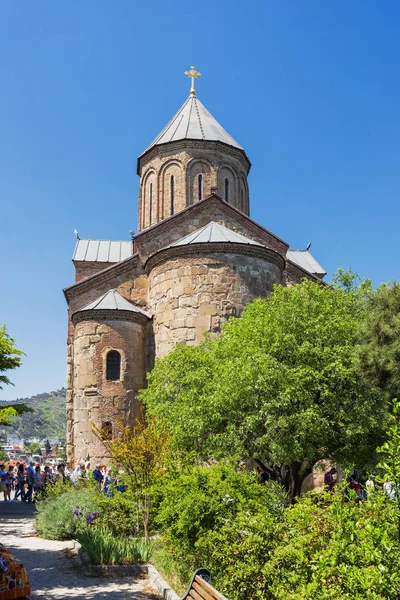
x,y
280,385
380,335
34,448
10,358
48,447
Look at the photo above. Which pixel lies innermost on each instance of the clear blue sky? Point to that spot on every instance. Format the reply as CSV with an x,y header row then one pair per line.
x,y
309,88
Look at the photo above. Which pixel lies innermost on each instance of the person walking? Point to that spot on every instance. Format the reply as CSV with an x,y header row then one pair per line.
x,y
30,480
21,481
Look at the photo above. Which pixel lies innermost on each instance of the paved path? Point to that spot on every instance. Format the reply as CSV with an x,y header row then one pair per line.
x,y
52,573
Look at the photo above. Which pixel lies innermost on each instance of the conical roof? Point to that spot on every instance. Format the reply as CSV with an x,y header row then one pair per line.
x,y
111,300
211,233
193,122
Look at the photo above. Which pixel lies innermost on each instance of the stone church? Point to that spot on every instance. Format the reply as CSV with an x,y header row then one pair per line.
x,y
197,259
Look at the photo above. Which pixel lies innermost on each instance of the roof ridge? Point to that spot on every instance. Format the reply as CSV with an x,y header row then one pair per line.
x,y
199,118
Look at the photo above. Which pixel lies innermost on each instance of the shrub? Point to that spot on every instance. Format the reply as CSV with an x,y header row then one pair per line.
x,y
55,519
119,514
106,549
326,547
207,499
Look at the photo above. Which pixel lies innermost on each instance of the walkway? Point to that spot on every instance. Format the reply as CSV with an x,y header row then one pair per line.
x,y
52,573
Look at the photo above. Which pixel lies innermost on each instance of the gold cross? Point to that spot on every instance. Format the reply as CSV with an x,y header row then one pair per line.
x,y
192,73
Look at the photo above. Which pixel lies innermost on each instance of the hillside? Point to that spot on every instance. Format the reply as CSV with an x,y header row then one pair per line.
x,y
47,420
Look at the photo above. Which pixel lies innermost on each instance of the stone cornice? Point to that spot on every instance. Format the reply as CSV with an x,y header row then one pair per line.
x,y
192,144
107,315
198,207
102,276
208,248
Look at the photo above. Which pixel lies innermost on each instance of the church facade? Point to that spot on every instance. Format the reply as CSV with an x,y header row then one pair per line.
x,y
197,259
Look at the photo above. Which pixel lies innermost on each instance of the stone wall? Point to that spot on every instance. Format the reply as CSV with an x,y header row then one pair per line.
x,y
192,295
184,161
94,399
198,215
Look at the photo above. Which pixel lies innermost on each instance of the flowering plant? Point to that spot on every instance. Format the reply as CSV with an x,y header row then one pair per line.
x,y
89,519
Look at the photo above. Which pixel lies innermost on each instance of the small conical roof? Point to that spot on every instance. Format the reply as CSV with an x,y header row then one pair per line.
x,y
211,233
111,300
193,122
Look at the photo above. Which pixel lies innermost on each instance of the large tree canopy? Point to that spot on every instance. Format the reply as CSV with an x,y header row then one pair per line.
x,y
10,358
380,334
280,384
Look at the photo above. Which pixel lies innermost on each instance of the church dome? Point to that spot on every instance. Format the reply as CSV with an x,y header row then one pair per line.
x,y
193,122
191,158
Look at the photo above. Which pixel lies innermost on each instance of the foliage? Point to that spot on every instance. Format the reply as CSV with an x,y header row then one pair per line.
x,y
142,452
390,452
10,356
118,514
3,456
34,448
48,418
104,548
325,548
206,499
380,334
55,519
281,385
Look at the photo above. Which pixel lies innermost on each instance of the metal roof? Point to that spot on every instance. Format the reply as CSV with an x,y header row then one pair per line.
x,y
111,300
305,260
213,232
111,251
193,122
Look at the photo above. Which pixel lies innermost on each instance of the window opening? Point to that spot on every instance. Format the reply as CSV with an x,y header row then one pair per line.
x,y
172,187
226,190
113,366
151,203
106,430
200,186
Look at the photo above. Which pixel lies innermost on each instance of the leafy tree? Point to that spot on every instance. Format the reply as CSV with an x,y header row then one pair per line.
x,y
3,456
280,385
142,452
48,447
34,448
380,335
10,358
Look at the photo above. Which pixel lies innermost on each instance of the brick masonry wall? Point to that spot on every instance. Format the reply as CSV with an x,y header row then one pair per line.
x,y
198,215
94,399
190,296
184,161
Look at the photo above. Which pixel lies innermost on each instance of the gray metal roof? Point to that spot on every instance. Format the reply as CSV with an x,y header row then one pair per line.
x,y
111,300
305,260
111,251
193,122
213,232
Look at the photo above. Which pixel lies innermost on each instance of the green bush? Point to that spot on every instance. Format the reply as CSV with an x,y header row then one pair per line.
x,y
55,519
326,547
207,499
105,549
119,514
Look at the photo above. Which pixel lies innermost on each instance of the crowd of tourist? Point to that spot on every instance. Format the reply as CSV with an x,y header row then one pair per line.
x,y
22,482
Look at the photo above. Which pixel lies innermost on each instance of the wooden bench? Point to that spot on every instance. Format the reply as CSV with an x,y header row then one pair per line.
x,y
200,588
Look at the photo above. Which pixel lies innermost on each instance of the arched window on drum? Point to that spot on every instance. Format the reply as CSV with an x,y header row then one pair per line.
x,y
113,366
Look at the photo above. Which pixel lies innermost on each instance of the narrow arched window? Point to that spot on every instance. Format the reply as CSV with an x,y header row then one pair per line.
x,y
172,188
241,200
200,186
106,430
226,189
113,366
151,202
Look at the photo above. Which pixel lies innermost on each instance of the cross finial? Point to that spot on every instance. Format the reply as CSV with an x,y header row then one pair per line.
x,y
193,74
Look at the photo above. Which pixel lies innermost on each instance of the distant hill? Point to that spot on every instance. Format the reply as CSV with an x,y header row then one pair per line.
x,y
47,420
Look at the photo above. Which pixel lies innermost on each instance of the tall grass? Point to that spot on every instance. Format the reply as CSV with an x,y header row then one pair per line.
x,y
104,548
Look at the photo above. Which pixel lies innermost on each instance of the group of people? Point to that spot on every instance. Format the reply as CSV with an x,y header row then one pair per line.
x,y
362,486
22,482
